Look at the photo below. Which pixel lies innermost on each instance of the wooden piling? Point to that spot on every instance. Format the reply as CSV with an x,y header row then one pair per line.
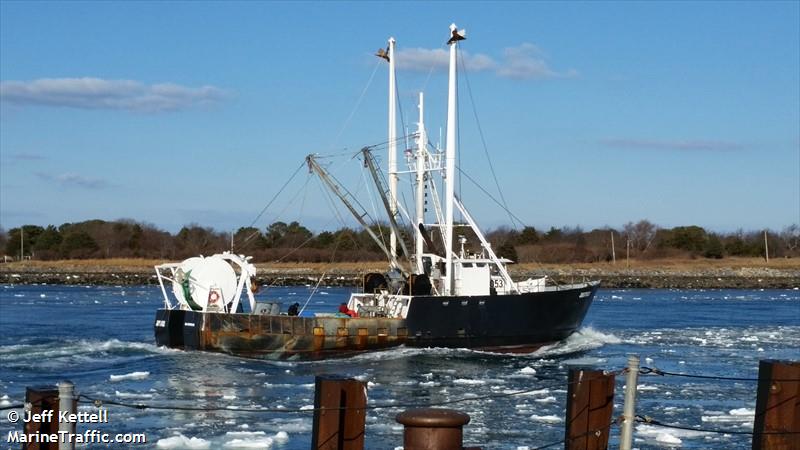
x,y
339,414
42,398
590,403
777,419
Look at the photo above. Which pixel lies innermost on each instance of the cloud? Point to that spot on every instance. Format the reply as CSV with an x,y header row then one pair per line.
x,y
97,93
682,145
25,157
75,180
525,61
438,59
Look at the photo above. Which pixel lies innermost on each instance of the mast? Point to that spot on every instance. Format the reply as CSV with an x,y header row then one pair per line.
x,y
450,162
420,209
392,146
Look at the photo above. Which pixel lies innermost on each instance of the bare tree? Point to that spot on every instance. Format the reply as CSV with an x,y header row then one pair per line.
x,y
791,237
640,234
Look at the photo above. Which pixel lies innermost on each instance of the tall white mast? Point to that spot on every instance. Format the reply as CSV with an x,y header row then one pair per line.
x,y
392,146
421,147
450,164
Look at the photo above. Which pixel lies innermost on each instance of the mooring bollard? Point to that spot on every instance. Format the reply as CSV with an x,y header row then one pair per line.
x,y
67,403
433,429
41,399
339,414
590,403
777,419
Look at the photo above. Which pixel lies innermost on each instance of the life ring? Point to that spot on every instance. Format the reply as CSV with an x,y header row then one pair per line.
x,y
213,297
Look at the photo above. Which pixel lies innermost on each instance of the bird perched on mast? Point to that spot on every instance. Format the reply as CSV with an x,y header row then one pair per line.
x,y
457,36
381,53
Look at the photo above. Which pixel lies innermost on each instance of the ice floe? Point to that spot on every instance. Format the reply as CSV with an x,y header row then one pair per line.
x,y
130,376
182,442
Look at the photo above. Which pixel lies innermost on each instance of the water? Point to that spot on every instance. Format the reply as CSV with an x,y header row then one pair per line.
x,y
101,338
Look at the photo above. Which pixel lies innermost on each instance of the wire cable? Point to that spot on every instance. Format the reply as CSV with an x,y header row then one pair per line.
x,y
650,421
656,371
17,406
483,141
273,199
358,103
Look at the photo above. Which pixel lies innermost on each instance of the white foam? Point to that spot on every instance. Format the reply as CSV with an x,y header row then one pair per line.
x,y
130,376
738,415
646,387
181,441
252,442
666,438
281,436
582,340
547,419
132,395
653,432
468,381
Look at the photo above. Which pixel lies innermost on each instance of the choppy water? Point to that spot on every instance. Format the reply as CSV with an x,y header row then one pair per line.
x,y
101,338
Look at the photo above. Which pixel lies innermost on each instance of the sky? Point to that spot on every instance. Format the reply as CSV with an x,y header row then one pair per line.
x,y
593,114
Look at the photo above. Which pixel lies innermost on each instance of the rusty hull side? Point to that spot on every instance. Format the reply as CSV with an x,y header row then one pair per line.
x,y
290,337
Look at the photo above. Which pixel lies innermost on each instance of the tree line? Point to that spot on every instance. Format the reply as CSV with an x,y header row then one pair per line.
x,y
294,242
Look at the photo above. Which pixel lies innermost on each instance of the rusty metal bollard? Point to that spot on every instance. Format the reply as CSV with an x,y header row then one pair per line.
x,y
433,429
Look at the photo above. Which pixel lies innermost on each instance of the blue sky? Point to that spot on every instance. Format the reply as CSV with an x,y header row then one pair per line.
x,y
594,113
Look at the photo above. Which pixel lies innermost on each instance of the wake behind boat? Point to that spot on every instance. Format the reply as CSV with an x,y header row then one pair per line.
x,y
438,295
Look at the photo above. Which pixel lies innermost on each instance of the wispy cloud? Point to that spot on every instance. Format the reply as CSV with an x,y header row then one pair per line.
x,y
23,156
523,62
527,62
681,145
437,59
98,93
75,180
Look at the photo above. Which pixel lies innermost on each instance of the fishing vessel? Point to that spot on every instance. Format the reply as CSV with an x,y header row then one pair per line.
x,y
446,292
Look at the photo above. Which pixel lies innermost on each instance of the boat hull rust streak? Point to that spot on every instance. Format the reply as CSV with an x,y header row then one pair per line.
x,y
506,324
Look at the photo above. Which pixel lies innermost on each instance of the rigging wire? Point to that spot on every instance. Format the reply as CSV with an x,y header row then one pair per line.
x,y
272,200
358,103
483,140
336,213
313,291
285,208
425,84
400,107
488,194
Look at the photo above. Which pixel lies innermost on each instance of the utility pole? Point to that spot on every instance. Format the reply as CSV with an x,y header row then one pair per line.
x,y
628,252
766,246
21,242
613,251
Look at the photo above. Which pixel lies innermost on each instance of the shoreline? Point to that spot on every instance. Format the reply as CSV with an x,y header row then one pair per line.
x,y
666,274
